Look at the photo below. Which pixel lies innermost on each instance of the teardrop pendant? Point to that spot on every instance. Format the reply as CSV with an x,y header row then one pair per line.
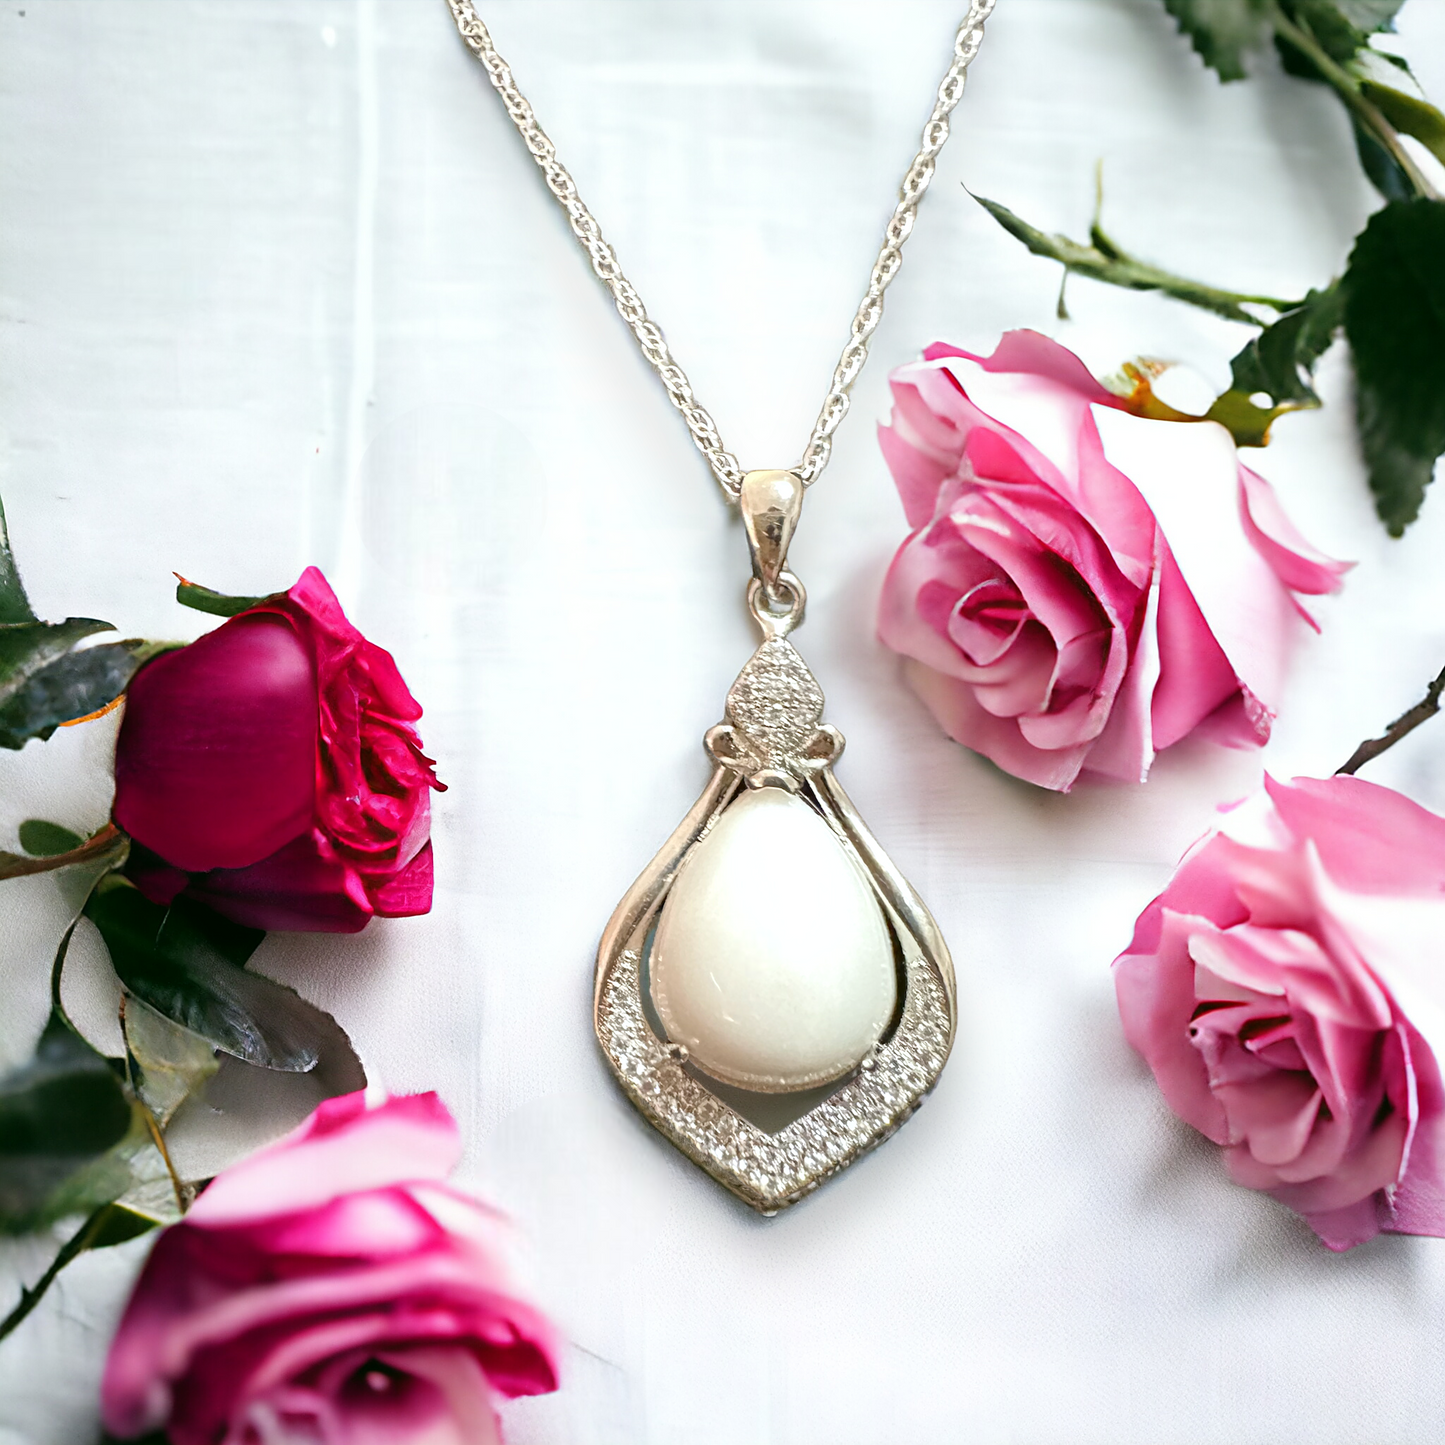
x,y
771,946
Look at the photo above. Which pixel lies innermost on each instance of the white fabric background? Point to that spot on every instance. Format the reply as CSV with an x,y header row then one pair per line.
x,y
280,285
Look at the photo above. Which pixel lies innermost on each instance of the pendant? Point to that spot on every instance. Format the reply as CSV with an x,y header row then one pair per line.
x,y
771,993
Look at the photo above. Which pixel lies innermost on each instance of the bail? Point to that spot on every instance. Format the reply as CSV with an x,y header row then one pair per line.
x,y
770,502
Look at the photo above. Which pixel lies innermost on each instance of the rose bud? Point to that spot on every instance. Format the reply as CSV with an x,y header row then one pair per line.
x,y
333,1289
271,771
1287,990
1083,587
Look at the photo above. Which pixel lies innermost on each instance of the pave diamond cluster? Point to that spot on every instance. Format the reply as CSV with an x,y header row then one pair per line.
x,y
771,1171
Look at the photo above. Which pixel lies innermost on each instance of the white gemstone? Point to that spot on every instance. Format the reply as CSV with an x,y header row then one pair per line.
x,y
771,961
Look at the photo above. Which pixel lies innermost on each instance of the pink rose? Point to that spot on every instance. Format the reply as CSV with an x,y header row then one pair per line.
x,y
1288,988
1082,587
330,1289
270,770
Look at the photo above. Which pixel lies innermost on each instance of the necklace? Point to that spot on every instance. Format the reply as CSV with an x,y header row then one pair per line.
x,y
771,993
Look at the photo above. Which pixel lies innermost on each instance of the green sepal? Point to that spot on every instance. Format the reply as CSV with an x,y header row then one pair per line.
x,y
218,604
1279,363
1394,316
1409,115
1247,423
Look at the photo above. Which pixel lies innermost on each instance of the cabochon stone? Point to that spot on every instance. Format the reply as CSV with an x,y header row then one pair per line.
x,y
771,962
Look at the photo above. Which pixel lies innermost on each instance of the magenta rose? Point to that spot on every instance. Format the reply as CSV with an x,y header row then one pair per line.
x,y
331,1289
1082,587
1288,990
271,771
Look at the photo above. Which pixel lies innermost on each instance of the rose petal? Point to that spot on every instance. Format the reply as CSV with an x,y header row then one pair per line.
x,y
215,762
1301,567
1189,475
300,886
960,715
342,1148
408,893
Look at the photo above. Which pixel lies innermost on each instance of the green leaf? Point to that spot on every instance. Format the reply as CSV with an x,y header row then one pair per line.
x,y
1341,28
76,686
45,840
168,1063
103,1179
108,846
1337,35
1394,291
28,647
58,1113
1408,114
192,594
1221,31
14,605
1371,16
186,963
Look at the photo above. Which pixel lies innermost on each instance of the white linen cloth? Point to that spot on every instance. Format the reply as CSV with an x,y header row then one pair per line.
x,y
281,286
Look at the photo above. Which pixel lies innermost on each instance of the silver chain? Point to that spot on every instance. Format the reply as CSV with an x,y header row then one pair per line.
x,y
629,304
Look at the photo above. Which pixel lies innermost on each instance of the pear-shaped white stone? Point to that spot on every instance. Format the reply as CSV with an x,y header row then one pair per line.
x,y
771,961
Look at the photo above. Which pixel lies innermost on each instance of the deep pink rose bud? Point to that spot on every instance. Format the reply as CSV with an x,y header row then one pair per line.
x,y
331,1289
1083,587
1287,990
271,771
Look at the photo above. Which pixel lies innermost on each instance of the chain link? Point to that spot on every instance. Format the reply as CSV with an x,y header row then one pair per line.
x,y
629,304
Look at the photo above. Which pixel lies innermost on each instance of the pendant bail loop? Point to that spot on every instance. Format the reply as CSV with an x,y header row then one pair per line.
x,y
770,502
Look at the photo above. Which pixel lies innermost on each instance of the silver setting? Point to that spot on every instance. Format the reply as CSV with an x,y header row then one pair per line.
x,y
774,736
771,503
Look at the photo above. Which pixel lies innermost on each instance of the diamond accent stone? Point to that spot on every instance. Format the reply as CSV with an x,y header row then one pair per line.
x,y
776,702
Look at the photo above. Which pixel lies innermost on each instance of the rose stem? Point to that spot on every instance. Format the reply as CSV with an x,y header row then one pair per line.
x,y
1407,722
77,1244
98,846
1348,89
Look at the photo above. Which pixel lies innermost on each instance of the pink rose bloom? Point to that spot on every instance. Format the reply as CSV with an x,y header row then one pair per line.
x,y
1288,990
1082,586
330,1289
271,771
